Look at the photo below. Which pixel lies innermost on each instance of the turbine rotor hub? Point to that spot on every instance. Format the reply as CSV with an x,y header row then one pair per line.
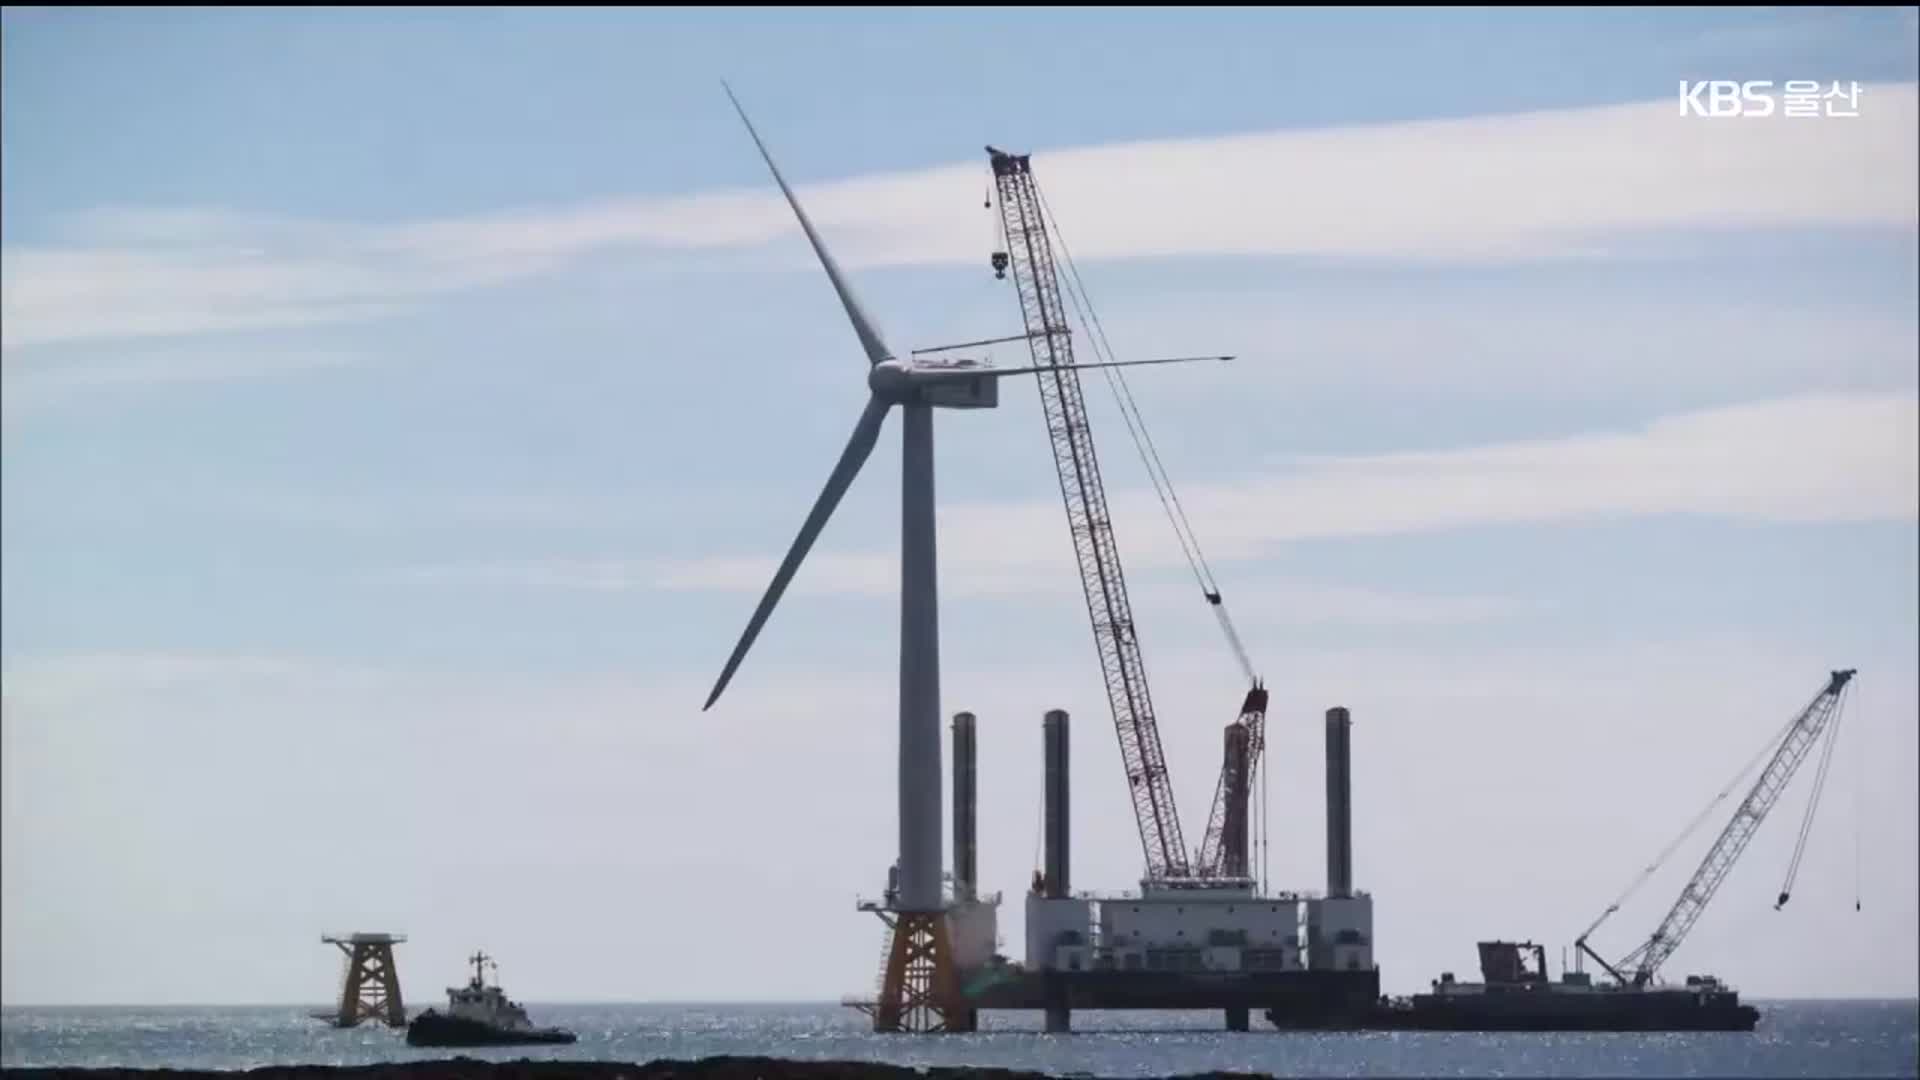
x,y
891,381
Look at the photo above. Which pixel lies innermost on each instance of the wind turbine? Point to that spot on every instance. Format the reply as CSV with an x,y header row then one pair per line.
x,y
917,389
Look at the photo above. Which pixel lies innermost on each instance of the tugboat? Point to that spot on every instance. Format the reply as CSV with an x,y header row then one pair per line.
x,y
480,1015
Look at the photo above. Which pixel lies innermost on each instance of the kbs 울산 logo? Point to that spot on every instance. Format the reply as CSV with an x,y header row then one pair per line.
x,y
1798,99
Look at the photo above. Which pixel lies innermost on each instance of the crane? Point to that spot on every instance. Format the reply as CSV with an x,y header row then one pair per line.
x,y
1028,252
1790,749
1223,854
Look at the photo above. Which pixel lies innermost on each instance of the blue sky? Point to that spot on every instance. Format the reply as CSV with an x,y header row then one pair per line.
x,y
409,407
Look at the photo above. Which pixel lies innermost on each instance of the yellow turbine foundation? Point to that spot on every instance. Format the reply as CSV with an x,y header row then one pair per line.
x,y
370,989
919,992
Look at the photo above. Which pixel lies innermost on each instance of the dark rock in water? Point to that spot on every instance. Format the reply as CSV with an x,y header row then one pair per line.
x,y
464,1068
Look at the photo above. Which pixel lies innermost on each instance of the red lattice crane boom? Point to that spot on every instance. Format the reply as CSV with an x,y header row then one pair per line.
x,y
1028,255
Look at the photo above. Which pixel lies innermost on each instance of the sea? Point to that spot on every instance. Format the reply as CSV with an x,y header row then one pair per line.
x,y
1794,1038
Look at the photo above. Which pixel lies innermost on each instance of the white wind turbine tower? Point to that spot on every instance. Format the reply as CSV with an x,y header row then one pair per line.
x,y
918,389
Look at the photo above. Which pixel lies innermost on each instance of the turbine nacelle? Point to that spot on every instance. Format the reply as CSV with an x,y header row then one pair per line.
x,y
966,384
959,384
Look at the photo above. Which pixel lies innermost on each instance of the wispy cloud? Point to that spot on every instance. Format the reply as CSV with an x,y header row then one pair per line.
x,y
33,382
1492,343
1804,459
1301,604
1284,602
1813,458
61,680
1545,184
833,574
81,293
377,514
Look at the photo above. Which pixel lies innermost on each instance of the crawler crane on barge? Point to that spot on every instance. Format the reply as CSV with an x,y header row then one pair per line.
x,y
1028,254
1200,933
1516,997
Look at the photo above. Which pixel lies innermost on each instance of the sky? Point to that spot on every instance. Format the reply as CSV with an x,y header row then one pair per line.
x,y
404,410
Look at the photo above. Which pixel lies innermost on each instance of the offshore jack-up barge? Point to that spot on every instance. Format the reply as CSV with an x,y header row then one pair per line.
x,y
1201,943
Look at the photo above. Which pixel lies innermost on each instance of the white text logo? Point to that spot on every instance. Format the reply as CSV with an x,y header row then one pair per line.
x,y
1756,98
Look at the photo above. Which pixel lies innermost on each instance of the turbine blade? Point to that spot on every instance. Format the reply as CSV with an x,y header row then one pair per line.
x,y
876,349
859,446
963,373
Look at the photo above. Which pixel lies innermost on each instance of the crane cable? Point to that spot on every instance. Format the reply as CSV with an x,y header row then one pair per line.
x,y
1693,826
994,227
1264,831
1076,294
1813,806
1857,785
1075,291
